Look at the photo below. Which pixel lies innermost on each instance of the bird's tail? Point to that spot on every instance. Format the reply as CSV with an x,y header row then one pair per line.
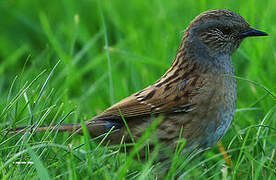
x,y
70,127
95,128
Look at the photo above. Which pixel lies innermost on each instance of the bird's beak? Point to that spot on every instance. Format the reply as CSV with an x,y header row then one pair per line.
x,y
252,32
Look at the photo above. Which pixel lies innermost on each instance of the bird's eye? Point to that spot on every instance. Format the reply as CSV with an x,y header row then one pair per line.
x,y
225,30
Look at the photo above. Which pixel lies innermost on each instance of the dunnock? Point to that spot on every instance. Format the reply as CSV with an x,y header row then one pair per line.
x,y
197,94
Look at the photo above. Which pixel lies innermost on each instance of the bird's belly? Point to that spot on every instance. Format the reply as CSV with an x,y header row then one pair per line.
x,y
224,120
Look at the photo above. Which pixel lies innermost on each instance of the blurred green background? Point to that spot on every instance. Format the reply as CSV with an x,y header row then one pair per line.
x,y
111,49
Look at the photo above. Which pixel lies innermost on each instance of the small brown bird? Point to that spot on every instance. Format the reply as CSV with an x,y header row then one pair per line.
x,y
197,94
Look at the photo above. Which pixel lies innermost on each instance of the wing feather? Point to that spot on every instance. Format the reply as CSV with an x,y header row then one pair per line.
x,y
172,97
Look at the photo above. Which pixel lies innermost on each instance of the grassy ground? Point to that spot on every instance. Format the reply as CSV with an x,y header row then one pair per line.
x,y
66,61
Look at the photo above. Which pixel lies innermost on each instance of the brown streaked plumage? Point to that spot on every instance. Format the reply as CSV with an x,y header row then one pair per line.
x,y
194,94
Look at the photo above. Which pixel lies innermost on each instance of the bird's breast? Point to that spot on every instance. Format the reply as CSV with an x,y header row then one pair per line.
x,y
220,108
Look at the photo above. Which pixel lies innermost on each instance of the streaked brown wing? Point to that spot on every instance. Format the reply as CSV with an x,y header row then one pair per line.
x,y
171,97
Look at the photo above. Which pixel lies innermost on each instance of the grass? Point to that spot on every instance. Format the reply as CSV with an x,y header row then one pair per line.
x,y
107,51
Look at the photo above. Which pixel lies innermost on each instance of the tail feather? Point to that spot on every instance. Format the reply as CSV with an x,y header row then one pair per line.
x,y
70,127
95,128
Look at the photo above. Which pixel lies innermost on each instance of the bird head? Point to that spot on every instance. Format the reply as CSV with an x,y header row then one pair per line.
x,y
220,30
